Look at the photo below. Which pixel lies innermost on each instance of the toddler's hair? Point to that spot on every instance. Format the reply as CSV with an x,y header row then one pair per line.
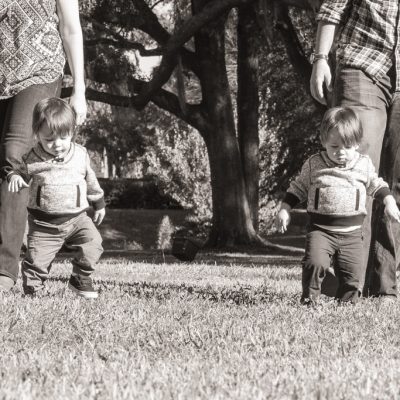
x,y
57,113
346,122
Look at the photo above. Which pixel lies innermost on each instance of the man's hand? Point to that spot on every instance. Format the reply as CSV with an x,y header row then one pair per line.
x,y
391,209
99,216
282,220
321,75
16,184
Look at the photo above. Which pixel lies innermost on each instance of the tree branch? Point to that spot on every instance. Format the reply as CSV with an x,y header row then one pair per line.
x,y
188,57
209,13
163,99
125,44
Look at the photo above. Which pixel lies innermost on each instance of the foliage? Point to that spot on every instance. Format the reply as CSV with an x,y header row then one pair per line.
x,y
136,193
180,162
218,330
125,137
289,124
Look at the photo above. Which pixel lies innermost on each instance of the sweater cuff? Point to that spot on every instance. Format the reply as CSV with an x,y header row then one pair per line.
x,y
291,199
99,204
382,193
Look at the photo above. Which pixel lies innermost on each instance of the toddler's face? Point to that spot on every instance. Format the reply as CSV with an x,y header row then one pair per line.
x,y
54,144
337,151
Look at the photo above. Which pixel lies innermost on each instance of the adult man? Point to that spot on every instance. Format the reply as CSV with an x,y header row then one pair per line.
x,y
368,80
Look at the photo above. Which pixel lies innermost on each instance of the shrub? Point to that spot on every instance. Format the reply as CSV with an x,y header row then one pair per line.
x,y
135,193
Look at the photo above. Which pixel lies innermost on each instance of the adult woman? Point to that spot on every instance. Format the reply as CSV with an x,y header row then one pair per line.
x,y
33,37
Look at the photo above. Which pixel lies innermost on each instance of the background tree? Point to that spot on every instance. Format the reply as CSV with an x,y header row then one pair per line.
x,y
196,50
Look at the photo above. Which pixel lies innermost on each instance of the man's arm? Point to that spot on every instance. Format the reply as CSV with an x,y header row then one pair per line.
x,y
331,15
321,72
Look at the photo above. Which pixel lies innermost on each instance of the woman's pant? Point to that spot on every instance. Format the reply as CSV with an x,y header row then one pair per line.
x,y
16,140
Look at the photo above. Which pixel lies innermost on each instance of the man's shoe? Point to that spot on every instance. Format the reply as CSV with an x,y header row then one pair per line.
x,y
6,283
83,286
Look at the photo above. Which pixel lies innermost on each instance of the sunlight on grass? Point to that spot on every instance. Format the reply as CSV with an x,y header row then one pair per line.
x,y
203,331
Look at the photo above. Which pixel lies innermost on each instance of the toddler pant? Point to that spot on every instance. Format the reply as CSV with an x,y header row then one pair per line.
x,y
347,248
46,239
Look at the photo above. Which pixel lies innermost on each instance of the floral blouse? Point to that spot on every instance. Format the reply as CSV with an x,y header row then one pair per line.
x,y
31,50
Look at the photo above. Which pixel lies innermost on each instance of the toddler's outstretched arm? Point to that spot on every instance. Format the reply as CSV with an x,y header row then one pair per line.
x,y
283,218
391,209
16,183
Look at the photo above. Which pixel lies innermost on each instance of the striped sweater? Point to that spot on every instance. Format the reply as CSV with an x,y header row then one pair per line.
x,y
59,190
336,195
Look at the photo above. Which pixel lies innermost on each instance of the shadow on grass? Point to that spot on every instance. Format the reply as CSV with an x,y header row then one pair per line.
x,y
227,259
238,295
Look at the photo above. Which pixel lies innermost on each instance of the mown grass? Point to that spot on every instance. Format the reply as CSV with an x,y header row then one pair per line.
x,y
198,331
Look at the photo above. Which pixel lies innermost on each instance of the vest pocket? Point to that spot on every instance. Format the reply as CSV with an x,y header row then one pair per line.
x,y
78,196
357,199
316,199
39,190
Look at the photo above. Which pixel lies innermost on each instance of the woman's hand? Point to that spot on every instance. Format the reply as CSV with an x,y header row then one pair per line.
x,y
78,103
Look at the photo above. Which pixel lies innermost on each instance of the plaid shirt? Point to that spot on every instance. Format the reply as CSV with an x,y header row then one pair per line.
x,y
369,39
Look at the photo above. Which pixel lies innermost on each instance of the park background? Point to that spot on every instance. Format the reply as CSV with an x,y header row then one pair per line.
x,y
211,123
201,110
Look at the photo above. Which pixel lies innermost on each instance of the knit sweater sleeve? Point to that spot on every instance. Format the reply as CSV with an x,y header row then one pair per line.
x,y
299,187
376,186
19,168
95,193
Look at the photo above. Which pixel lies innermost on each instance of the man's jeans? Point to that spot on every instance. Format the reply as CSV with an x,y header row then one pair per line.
x,y
379,111
321,247
16,140
45,240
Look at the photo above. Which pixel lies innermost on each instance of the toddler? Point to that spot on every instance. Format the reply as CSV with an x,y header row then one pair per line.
x,y
335,183
61,184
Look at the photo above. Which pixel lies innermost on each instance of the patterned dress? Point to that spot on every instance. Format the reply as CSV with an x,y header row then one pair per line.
x,y
31,50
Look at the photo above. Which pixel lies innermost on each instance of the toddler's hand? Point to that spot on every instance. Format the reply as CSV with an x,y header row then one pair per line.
x,y
282,220
16,184
99,216
391,209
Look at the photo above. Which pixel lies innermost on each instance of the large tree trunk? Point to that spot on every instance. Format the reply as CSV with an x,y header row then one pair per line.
x,y
232,223
248,104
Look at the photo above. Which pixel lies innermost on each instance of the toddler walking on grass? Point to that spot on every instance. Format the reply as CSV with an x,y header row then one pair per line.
x,y
335,183
61,184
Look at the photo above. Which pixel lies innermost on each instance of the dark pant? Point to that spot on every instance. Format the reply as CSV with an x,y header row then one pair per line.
x,y
16,140
321,247
379,111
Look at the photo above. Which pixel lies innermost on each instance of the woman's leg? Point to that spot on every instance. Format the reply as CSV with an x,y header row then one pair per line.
x,y
16,140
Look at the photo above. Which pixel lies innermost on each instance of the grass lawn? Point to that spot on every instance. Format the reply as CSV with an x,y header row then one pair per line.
x,y
219,330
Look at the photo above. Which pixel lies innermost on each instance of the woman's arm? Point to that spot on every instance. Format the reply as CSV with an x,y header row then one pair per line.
x,y
71,34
